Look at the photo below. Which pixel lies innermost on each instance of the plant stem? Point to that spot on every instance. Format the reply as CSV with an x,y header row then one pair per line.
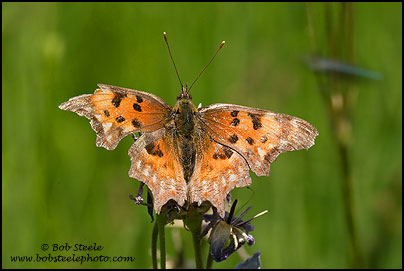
x,y
335,89
194,223
344,136
209,262
198,252
154,244
161,222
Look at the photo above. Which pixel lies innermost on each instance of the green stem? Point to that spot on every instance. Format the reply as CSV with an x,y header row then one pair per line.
x,y
161,222
198,251
349,207
209,262
194,223
339,116
154,244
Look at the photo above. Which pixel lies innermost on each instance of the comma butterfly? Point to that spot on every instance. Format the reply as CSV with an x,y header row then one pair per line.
x,y
188,154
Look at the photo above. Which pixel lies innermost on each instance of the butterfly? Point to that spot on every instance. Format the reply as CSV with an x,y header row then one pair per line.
x,y
187,154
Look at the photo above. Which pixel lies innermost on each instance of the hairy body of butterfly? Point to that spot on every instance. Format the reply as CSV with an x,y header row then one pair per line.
x,y
188,154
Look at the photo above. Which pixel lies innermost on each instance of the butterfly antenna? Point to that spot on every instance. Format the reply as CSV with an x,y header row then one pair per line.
x,y
218,49
171,56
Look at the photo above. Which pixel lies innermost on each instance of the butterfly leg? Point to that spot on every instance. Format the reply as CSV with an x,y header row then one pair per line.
x,y
228,199
134,136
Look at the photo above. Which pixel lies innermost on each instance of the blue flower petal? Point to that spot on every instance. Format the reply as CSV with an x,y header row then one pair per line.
x,y
251,263
219,241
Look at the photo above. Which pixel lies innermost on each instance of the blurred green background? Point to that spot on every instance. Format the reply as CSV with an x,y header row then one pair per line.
x,y
59,187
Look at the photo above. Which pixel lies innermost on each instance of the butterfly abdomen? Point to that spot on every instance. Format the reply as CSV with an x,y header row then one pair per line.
x,y
188,154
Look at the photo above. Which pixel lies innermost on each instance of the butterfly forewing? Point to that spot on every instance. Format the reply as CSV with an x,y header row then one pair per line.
x,y
155,162
115,112
258,135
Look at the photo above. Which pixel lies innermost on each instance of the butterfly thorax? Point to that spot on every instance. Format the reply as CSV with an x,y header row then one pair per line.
x,y
185,121
185,117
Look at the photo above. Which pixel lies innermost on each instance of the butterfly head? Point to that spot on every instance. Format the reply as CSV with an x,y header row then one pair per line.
x,y
184,93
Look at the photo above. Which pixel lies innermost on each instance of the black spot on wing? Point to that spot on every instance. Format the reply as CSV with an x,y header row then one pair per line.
x,y
149,147
225,153
233,138
250,140
116,101
139,99
234,113
235,122
256,120
106,113
136,123
228,152
158,152
152,150
120,119
137,107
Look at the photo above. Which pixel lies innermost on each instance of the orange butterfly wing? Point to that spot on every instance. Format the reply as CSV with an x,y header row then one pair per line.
x,y
114,112
218,169
258,135
155,162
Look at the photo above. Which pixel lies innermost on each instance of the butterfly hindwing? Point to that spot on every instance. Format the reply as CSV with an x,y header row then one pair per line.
x,y
155,162
115,112
258,135
218,169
